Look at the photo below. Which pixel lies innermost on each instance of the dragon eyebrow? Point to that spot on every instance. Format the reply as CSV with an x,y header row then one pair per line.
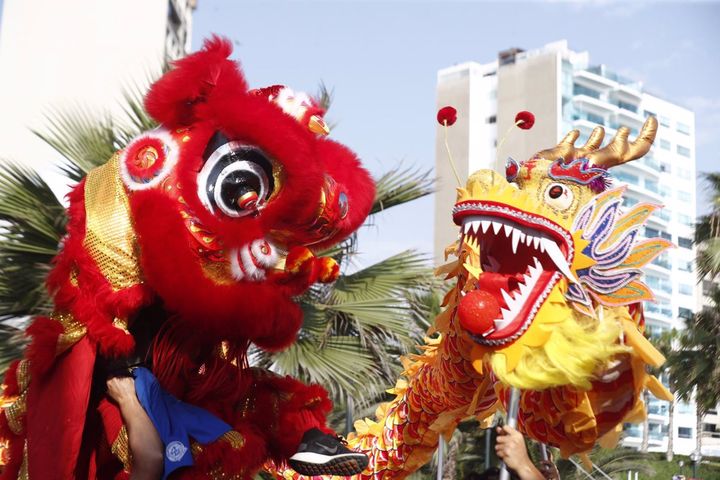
x,y
579,171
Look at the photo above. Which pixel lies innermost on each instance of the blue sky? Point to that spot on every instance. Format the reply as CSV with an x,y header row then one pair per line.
x,y
381,58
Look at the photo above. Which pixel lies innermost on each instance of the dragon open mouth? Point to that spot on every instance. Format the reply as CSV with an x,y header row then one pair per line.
x,y
522,256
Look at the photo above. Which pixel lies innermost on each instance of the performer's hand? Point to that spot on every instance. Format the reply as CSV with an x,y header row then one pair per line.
x,y
510,447
549,470
122,390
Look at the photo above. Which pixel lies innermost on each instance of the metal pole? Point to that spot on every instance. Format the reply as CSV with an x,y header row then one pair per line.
x,y
488,440
349,407
512,414
544,452
440,459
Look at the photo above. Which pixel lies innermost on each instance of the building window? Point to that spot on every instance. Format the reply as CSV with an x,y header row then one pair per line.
x,y
492,119
582,90
686,266
684,151
664,121
682,128
685,219
627,178
591,117
666,236
664,144
629,202
648,113
684,432
685,289
683,173
651,232
685,313
685,242
627,106
652,185
707,287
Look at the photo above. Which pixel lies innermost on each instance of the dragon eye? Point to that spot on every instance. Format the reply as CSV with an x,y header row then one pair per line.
x,y
236,179
558,196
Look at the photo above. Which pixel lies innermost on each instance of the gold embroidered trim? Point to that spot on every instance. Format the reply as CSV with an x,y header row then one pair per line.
x,y
121,449
73,331
110,237
15,414
23,375
23,473
234,438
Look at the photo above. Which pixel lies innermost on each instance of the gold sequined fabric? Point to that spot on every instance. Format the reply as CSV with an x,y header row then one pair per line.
x,y
23,375
73,331
110,238
121,449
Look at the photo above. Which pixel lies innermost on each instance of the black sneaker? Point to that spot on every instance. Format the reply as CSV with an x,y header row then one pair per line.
x,y
323,454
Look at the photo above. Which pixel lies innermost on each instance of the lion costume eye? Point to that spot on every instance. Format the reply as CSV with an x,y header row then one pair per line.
x,y
236,179
558,196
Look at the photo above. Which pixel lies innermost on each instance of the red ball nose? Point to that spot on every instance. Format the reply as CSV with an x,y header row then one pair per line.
x,y
477,310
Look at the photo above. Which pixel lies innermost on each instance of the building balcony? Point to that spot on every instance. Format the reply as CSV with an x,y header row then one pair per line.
x,y
648,166
593,79
628,92
586,102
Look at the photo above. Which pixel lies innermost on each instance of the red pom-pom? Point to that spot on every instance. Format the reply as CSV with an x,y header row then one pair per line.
x,y
525,120
447,116
477,310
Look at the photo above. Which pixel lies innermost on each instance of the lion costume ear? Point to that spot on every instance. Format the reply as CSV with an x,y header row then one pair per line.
x,y
174,99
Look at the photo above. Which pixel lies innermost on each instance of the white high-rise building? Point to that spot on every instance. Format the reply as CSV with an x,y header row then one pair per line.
x,y
565,92
64,55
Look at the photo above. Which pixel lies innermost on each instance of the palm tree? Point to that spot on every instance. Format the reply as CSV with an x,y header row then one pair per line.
x,y
707,232
353,330
695,365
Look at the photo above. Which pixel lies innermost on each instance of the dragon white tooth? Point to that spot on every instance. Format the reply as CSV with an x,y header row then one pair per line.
x,y
515,240
485,224
506,296
521,234
496,227
476,226
558,258
528,240
536,242
508,230
488,332
466,227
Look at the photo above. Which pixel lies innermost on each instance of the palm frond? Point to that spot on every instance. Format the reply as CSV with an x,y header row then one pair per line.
x,y
401,185
33,222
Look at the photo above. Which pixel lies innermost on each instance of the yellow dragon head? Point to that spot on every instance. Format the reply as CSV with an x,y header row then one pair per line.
x,y
550,265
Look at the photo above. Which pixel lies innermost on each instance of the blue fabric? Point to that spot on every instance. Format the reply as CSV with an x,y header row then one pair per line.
x,y
175,421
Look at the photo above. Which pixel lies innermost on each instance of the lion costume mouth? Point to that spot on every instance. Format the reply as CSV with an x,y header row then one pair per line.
x,y
522,256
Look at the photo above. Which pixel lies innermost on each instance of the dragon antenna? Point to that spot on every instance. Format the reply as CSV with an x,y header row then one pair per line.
x,y
523,120
446,117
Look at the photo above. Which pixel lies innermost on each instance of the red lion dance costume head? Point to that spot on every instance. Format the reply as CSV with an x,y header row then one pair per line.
x,y
191,244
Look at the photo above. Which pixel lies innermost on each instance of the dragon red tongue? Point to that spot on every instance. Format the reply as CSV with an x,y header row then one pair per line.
x,y
477,310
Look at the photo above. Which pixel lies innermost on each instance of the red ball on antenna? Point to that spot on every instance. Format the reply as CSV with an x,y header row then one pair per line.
x,y
447,115
525,120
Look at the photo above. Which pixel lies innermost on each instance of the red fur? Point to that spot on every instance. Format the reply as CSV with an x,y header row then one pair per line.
x,y
173,99
44,332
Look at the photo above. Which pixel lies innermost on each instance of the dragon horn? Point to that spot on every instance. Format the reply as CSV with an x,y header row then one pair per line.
x,y
595,140
565,149
620,151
